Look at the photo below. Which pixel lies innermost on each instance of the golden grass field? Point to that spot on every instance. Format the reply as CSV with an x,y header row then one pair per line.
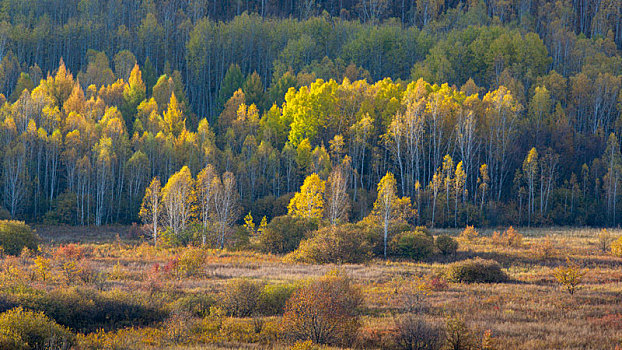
x,y
531,311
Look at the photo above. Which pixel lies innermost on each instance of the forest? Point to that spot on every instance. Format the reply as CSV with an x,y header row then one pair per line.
x,y
484,112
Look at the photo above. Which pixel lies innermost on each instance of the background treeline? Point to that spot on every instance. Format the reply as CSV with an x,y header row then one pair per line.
x,y
514,120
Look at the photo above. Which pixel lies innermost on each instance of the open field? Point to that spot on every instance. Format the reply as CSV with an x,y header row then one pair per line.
x,y
529,311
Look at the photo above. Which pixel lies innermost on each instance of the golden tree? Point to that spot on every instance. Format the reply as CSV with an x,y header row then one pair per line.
x,y
150,210
309,202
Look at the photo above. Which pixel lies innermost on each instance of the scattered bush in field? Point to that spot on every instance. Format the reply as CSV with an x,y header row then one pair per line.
x,y
284,233
458,336
569,276
476,271
469,233
604,240
190,262
197,305
446,245
42,266
334,244
15,236
69,251
511,238
375,236
241,297
411,332
616,247
414,245
86,310
544,249
23,329
273,298
324,311
496,238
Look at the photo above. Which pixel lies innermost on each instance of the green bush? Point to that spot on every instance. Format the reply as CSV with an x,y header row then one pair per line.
x,y
374,234
241,297
273,298
446,245
15,236
284,233
21,329
414,245
195,304
338,244
86,310
476,271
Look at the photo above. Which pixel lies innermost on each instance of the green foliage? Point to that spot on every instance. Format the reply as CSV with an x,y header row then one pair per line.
x,y
21,329
342,244
284,233
273,298
15,236
414,245
476,271
86,310
195,304
446,245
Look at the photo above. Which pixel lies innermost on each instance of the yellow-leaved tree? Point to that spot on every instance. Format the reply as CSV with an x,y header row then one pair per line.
x,y
309,202
389,207
150,209
177,200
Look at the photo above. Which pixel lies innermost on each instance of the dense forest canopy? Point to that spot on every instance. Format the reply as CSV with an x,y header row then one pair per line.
x,y
487,112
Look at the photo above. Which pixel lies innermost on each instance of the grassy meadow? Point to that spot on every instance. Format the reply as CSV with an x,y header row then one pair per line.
x,y
112,290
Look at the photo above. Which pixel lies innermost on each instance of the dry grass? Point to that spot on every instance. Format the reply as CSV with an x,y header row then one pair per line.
x,y
532,311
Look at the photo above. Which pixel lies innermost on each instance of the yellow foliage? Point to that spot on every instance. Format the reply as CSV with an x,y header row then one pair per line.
x,y
309,202
469,233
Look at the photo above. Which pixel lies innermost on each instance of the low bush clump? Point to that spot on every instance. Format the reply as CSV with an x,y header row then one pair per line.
x,y
273,298
476,271
284,233
616,247
414,245
469,233
446,245
412,332
195,304
325,311
86,310
334,244
15,236
22,329
241,297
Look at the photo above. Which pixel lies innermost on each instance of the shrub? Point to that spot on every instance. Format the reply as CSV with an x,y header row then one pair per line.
x,y
241,297
446,245
15,236
616,247
414,245
284,233
375,236
458,336
604,240
86,310
511,238
69,251
476,271
569,276
544,249
469,233
190,262
329,304
334,244
273,298
195,304
412,332
32,330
